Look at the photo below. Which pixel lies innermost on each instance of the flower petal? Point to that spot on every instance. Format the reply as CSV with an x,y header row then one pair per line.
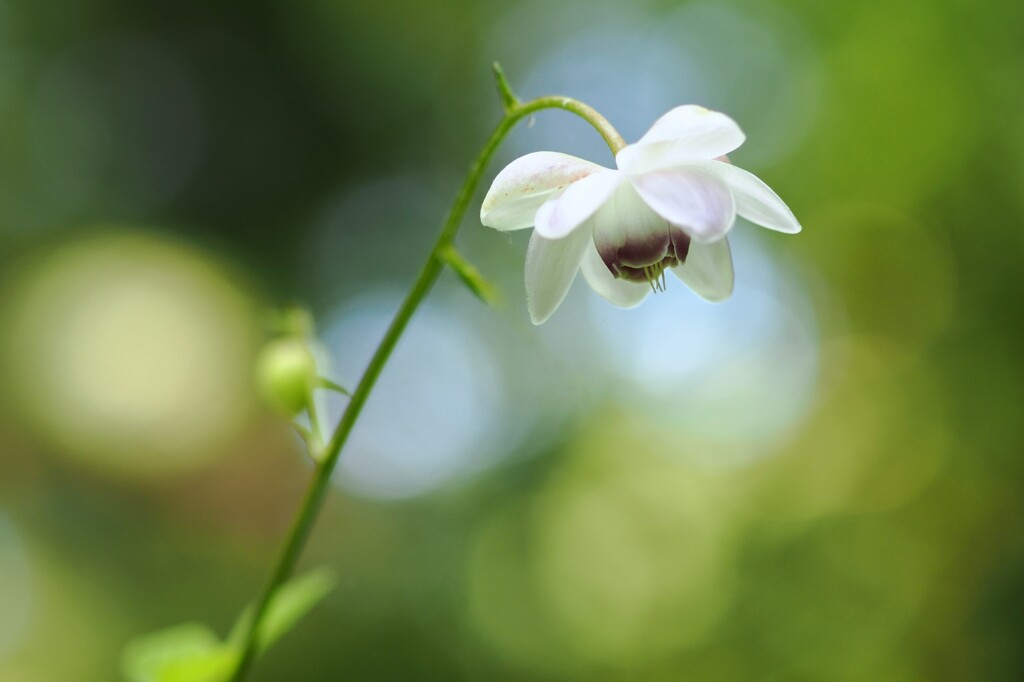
x,y
524,185
687,133
755,200
616,291
690,197
627,232
560,216
551,266
708,270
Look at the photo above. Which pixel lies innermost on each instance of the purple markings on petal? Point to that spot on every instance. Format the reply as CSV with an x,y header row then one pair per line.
x,y
639,256
638,252
680,243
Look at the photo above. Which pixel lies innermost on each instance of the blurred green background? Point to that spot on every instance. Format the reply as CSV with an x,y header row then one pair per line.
x,y
818,480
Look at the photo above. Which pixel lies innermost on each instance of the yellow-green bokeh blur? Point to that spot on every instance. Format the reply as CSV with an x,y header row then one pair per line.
x,y
822,479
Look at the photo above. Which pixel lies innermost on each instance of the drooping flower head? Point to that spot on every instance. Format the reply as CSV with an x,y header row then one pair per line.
x,y
668,206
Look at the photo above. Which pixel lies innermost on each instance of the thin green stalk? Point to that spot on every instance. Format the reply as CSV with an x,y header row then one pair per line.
x,y
301,526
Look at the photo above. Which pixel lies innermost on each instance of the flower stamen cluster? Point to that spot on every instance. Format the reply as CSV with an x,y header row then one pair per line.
x,y
653,274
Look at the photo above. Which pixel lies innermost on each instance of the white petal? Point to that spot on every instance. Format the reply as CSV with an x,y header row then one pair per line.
x,y
691,197
687,133
616,291
708,270
524,185
755,200
551,266
560,216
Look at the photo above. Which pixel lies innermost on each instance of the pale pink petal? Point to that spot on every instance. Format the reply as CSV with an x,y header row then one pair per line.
x,y
524,185
692,198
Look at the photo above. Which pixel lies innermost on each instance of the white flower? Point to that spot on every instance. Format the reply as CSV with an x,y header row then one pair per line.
x,y
668,206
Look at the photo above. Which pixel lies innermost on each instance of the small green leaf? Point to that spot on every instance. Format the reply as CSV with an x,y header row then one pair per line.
x,y
193,653
331,386
293,601
509,101
470,275
184,653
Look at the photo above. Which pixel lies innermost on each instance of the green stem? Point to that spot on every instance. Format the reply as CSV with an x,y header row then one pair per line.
x,y
514,112
317,435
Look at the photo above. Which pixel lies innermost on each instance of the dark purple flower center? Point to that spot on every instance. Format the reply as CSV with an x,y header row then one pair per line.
x,y
644,258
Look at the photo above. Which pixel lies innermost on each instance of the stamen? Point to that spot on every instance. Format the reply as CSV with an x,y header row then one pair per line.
x,y
655,276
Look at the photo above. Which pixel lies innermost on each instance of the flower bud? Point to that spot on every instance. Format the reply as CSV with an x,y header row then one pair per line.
x,y
286,374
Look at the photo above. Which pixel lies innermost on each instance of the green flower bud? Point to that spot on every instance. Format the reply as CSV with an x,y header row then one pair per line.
x,y
286,374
